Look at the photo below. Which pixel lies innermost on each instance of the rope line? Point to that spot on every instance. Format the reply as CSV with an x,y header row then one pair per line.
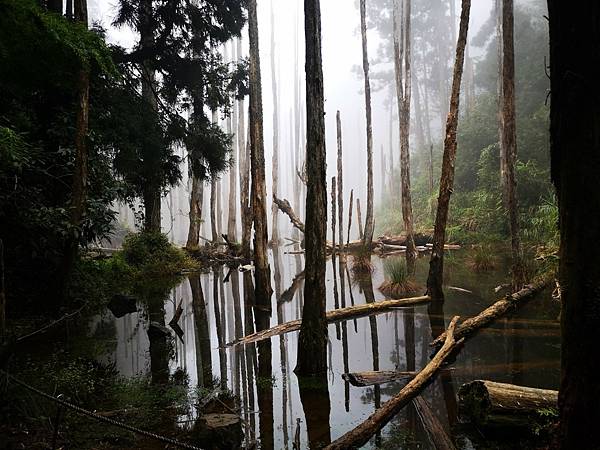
x,y
99,418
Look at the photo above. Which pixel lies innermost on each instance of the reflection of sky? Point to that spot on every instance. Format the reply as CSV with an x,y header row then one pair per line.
x,y
487,355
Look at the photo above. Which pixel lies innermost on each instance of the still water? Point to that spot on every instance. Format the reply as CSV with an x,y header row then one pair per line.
x,y
521,349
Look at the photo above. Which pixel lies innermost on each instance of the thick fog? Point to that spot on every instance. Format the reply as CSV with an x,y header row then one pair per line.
x,y
344,91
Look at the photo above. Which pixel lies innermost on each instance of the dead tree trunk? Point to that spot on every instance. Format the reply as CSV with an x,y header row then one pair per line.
x,y
487,403
195,215
436,265
275,161
340,182
575,159
333,220
263,290
432,426
286,208
213,216
244,152
312,340
402,65
509,141
361,235
499,84
360,435
233,170
370,223
350,209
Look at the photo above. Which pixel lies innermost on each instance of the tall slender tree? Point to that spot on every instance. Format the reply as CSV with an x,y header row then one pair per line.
x,y
369,220
509,141
340,181
402,66
263,288
312,341
275,160
436,265
575,162
233,170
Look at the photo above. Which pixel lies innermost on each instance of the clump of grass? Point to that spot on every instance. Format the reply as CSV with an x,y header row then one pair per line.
x,y
398,283
482,259
361,263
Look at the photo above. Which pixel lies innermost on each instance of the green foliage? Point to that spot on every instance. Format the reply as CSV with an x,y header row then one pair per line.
x,y
153,254
395,270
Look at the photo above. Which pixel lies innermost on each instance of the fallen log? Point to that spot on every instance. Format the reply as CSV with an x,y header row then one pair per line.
x,y
372,377
494,311
335,315
360,435
432,426
491,404
285,207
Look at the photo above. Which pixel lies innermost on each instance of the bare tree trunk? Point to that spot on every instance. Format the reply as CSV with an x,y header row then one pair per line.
x,y
361,235
509,141
233,172
213,217
350,209
151,195
436,265
263,290
312,340
340,182
370,223
333,220
499,85
275,169
196,197
575,158
402,60
243,148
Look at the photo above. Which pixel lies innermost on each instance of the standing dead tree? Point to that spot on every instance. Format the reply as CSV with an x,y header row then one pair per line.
x,y
436,265
275,159
369,223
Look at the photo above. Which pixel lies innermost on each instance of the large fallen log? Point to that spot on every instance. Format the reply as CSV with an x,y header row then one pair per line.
x,y
360,435
335,315
432,426
491,404
496,310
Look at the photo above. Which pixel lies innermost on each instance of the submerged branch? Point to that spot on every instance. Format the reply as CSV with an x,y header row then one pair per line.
x,y
361,434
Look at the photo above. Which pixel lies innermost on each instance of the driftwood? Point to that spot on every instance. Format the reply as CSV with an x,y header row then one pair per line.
x,y
494,311
285,207
335,315
432,426
487,403
361,434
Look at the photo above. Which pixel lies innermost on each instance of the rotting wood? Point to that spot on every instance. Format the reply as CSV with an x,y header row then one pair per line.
x,y
496,310
372,377
432,426
334,316
361,434
488,403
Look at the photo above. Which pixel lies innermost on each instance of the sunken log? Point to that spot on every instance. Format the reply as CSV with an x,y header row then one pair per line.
x,y
495,311
491,404
370,378
285,207
360,435
335,315
432,426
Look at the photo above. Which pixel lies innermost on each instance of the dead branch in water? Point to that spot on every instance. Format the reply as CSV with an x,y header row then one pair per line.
x,y
285,207
361,434
334,316
496,310
432,426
